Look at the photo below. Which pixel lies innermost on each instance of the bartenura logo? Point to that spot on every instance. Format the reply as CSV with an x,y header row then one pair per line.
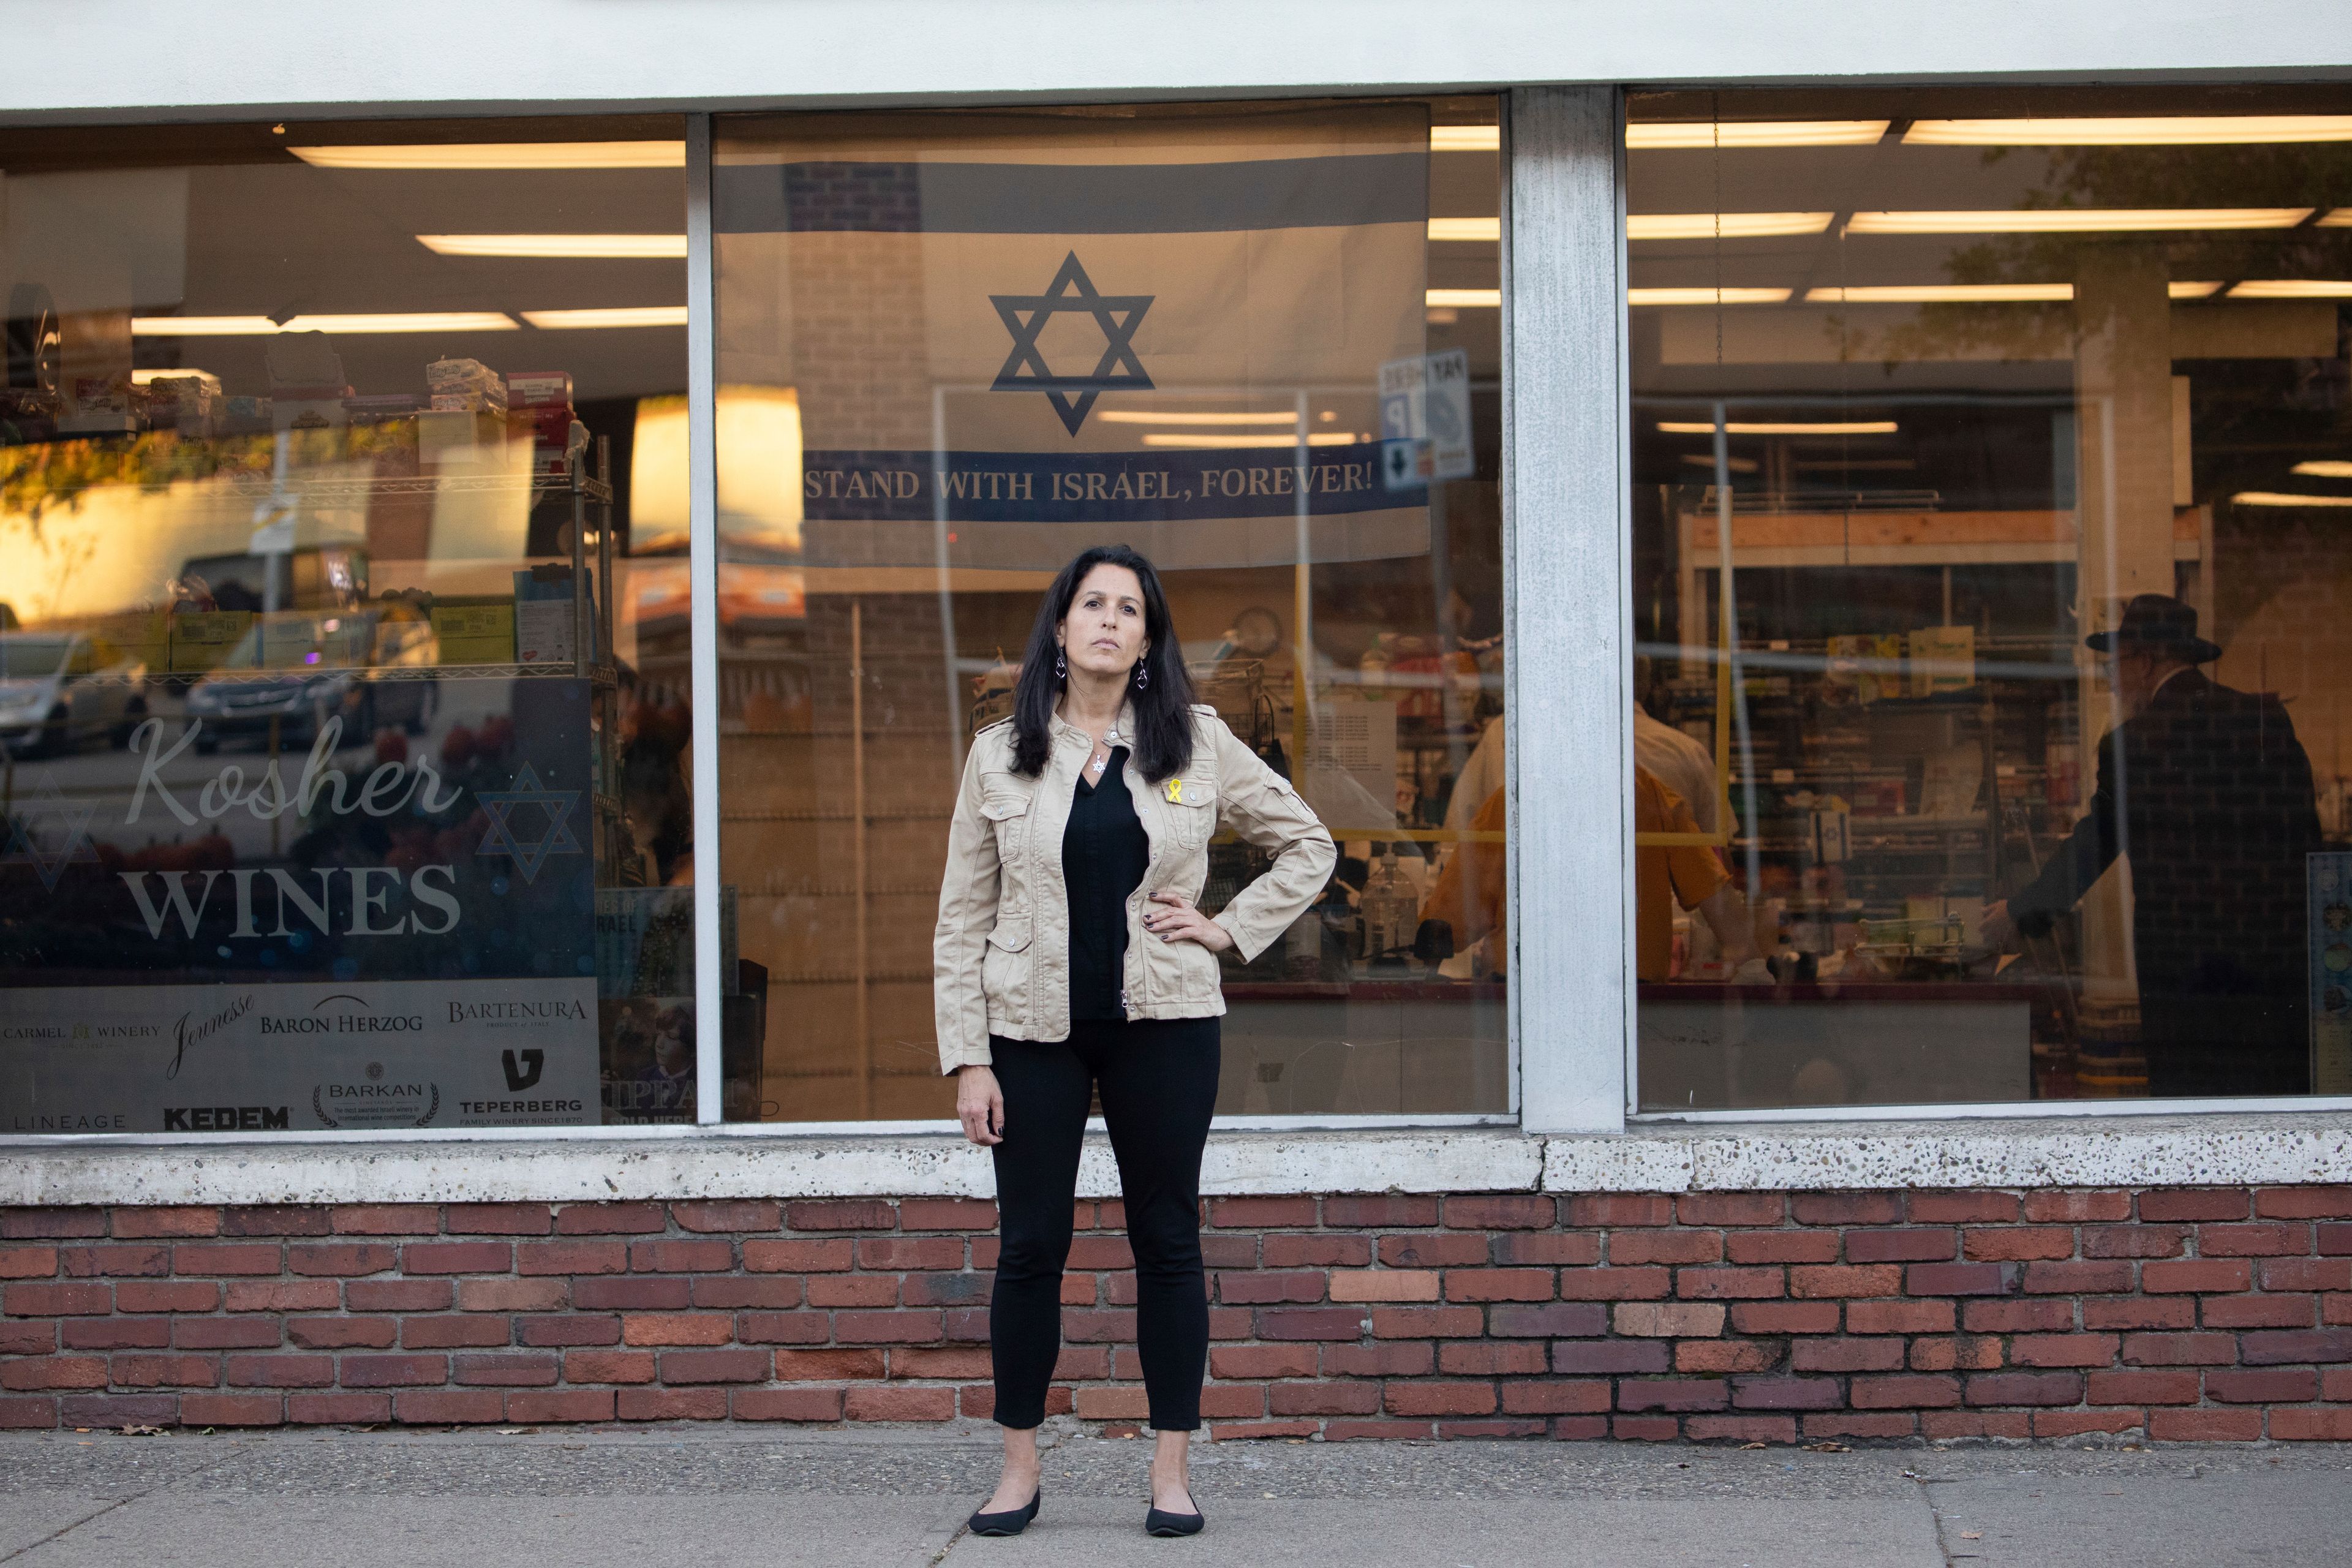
x,y
346,1022
225,1118
532,1010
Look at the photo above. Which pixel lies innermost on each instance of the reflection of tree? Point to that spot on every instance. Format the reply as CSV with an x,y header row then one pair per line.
x,y
39,478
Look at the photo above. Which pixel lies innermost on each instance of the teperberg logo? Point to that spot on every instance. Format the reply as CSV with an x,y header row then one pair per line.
x,y
1072,292
521,1075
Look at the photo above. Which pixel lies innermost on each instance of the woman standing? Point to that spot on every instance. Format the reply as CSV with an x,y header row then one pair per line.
x,y
1071,958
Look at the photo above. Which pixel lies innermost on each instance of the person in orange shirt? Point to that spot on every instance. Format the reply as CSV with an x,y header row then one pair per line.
x,y
1469,894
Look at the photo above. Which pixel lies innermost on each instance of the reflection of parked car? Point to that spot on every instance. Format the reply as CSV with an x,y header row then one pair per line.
x,y
58,689
299,670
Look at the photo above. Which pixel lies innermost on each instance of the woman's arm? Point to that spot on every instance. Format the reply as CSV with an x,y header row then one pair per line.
x,y
1260,805
967,912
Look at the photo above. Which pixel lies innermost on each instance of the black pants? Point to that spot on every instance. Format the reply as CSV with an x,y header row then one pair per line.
x,y
1159,1082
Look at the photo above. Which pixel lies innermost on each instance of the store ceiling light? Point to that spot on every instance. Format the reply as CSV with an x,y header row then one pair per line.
x,y
2076,220
2336,217
2285,498
1465,228
1192,417
1653,136
618,316
1178,439
406,321
1940,294
2291,289
2192,290
202,326
499,155
1723,225
1475,299
606,247
2326,469
1707,296
1780,427
2149,131
1466,138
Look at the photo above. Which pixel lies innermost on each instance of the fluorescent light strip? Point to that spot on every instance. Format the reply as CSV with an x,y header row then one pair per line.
x,y
1476,298
2283,498
620,316
499,155
2076,220
2291,289
1940,294
263,327
1465,229
2326,469
609,247
2336,217
1144,416
1707,296
2153,131
1171,438
1466,138
1723,225
1729,134
2192,290
1781,427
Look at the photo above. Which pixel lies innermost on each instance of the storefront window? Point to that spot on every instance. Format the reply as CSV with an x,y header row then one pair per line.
x,y
1258,344
344,712
1991,463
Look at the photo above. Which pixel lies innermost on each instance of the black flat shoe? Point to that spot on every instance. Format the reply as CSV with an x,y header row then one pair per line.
x,y
1013,1521
1159,1522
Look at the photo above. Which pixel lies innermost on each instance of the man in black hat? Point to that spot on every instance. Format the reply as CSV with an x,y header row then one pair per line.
x,y
2208,792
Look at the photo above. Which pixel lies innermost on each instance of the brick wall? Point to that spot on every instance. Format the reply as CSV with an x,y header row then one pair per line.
x,y
2174,1313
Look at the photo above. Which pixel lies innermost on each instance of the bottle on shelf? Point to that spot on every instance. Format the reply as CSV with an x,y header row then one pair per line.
x,y
1391,910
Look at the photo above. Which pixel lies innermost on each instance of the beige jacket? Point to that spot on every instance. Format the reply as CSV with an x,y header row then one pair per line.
x,y
1001,957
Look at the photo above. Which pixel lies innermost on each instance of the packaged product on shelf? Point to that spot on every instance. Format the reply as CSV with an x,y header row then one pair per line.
x,y
306,381
464,386
383,408
539,409
543,614
1943,658
188,402
479,632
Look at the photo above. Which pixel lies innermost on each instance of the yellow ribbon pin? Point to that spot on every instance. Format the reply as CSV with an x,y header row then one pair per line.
x,y
1176,791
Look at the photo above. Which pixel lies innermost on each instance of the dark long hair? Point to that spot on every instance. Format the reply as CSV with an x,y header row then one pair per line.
x,y
1162,744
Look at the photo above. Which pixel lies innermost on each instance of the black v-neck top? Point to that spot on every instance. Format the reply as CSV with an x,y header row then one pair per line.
x,y
1104,855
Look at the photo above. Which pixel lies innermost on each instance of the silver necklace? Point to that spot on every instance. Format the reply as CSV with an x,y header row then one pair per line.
x,y
1109,739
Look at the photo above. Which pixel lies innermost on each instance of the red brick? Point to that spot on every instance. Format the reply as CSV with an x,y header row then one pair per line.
x,y
53,1372
341,1333
1931,1207
708,1217
1417,1397
1645,1428
1387,1358
1383,1211
1262,1213
86,1410
29,1262
1498,1285
1488,1359
2334,1240
1502,1211
572,1258
962,1363
839,1215
385,1219
36,1223
717,1366
2042,1316
1323,1398
1727,1284
1785,1394
2178,1349
1731,1209
1311,1322
1847,1209
2025,1388
2296,1273
889,1328
2139,1312
225,1257
766,1256
2017,1244
937,1290
511,1295
2193,1203
1459,1323
1506,1427
275,1219
1438,1250
225,1333
1316,1250
2335,1384
454,1332
44,1300
115,1333
945,1214
1620,1209
733,1291
845,1367
1904,1392
2274,1312
338,1409
2311,1426
21,1338
1263,1360
399,1295
2075,1423
390,1371
554,1404
2143,1388
2205,1426
511,1370
608,1366
280,1371
710,1257
1112,1404
1554,1320
672,1404
1961,1352
1614,1284
568,1329
2295,1203
1900,1245
882,1289
1850,1423
1086,1252
456,1257
1669,1319
1830,1280
1556,1396
2263,1386
138,1224
783,1327
2135,1240
2205,1276
609,1219
2273,1347
451,1407
341,1259
1782,1246
1785,1317
639,1292
2076,1208
2270,1240
1218,1249
1673,1394
1720,1357
2063,1350
2072,1279
1847,1355
198,1409
497,1219
1397,1284
1255,1288
1666,1246
1545,1249
787,1404
677,1329
1960,1278
1900,1317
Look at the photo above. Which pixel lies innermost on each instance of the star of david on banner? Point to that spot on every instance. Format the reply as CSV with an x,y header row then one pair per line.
x,y
49,833
556,838
1072,292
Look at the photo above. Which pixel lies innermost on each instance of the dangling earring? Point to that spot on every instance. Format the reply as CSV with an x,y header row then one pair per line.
x,y
1142,676
1061,666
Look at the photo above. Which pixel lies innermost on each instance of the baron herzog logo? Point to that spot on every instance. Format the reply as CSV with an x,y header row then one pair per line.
x,y
1072,292
344,1023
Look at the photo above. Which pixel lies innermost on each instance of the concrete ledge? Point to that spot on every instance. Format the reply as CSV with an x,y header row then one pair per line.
x,y
2218,1149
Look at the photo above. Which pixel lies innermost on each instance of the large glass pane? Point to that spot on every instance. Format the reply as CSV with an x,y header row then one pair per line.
x,y
1258,344
1990,468
344,712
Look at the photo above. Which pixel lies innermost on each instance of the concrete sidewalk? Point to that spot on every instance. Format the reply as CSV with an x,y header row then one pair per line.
x,y
700,1496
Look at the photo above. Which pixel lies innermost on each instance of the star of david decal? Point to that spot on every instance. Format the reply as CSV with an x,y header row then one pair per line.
x,y
49,833
556,838
1072,292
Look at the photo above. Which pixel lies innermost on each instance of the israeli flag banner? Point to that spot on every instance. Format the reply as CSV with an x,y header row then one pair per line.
x,y
1061,330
